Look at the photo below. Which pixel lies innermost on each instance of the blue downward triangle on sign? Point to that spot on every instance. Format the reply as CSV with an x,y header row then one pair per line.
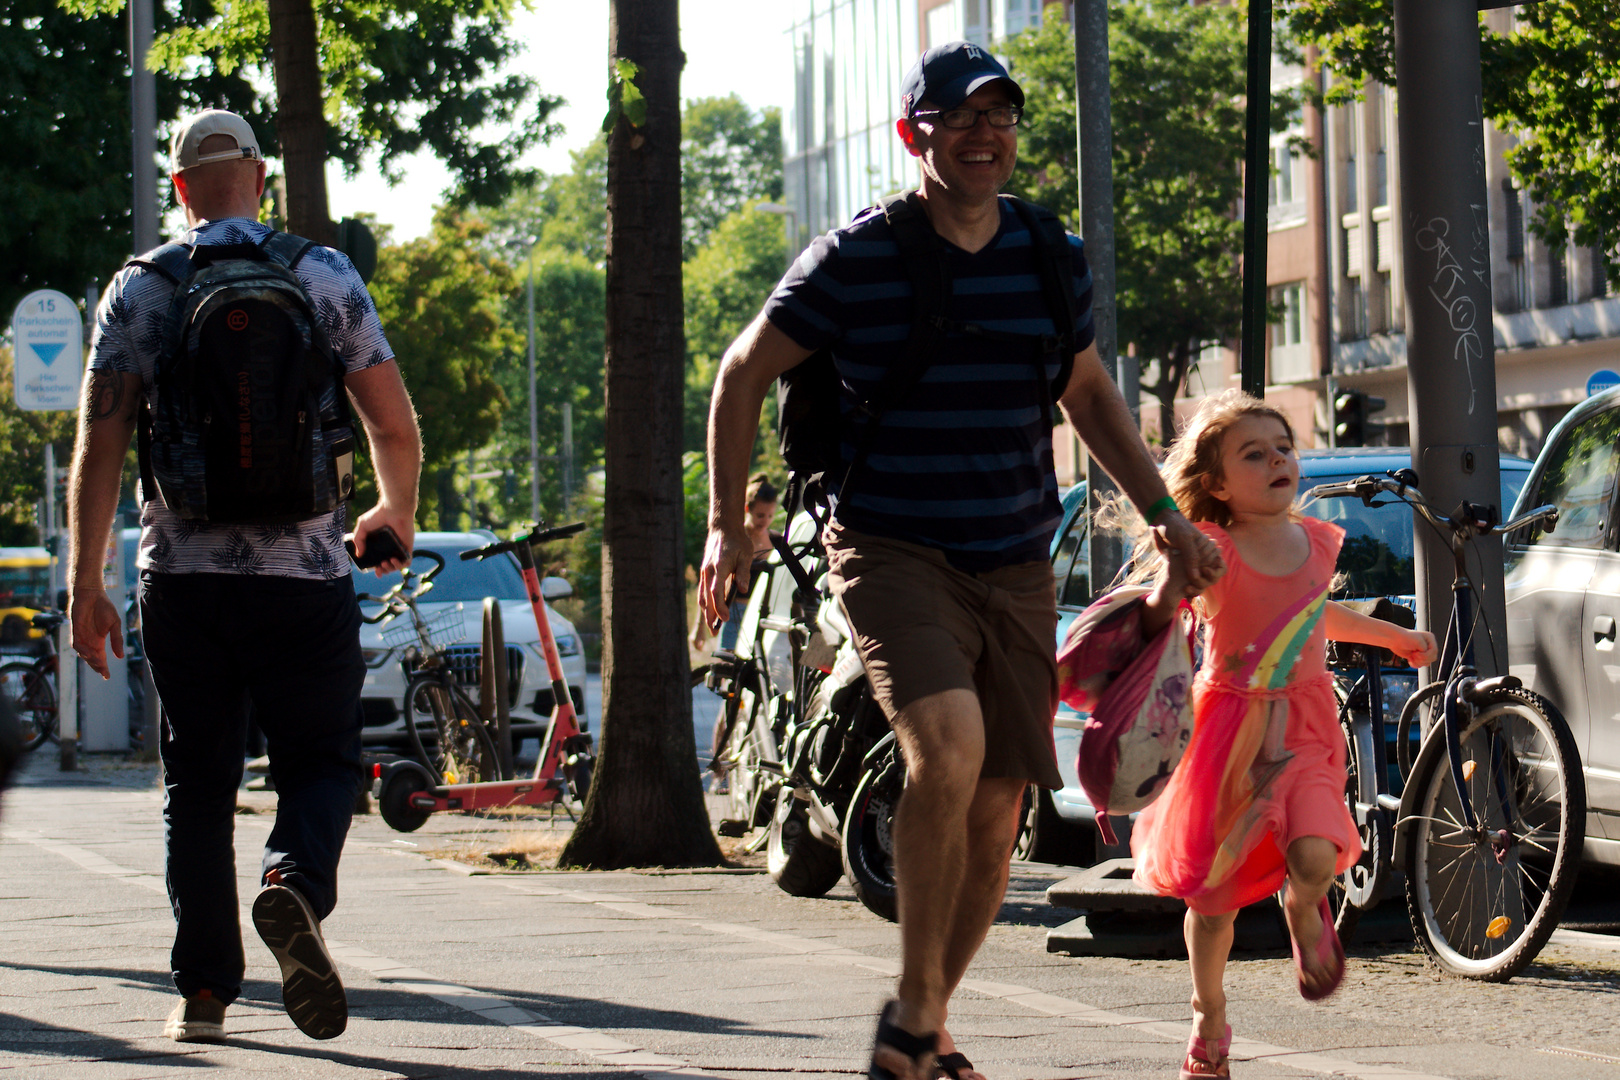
x,y
46,352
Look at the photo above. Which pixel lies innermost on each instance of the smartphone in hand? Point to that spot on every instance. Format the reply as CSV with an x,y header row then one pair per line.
x,y
382,545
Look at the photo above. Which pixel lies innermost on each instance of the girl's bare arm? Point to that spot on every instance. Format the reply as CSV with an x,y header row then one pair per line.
x,y
1416,647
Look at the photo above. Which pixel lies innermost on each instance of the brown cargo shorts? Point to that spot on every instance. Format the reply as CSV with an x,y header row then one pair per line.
x,y
922,626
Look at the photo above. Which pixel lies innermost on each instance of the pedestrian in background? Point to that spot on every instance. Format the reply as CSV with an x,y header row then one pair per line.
x,y
1257,800
939,552
240,612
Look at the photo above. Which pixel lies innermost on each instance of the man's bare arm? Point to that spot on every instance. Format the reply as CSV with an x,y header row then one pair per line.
x,y
386,412
1094,406
107,411
755,360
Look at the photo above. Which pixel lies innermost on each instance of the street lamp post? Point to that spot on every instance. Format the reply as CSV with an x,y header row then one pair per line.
x,y
528,243
791,224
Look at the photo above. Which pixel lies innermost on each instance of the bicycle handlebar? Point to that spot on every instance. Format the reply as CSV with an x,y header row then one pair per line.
x,y
538,535
394,600
1470,518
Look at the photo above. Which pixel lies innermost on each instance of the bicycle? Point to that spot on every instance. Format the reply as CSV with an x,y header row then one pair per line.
x,y
1488,827
29,686
462,750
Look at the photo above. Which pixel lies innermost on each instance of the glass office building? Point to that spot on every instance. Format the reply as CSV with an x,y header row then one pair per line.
x,y
841,153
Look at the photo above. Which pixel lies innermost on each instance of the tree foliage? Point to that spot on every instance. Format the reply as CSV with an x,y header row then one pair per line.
x,y
730,156
443,303
1177,77
397,77
1549,81
726,282
66,187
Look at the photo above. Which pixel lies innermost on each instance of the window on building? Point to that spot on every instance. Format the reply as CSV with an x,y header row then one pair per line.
x,y
1378,138
1354,327
1352,198
1023,15
1386,301
1513,198
1558,277
1290,354
945,23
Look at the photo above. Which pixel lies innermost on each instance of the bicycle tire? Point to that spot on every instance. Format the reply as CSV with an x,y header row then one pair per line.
x,y
463,752
1412,714
1353,891
394,802
1459,891
797,862
32,697
579,777
868,848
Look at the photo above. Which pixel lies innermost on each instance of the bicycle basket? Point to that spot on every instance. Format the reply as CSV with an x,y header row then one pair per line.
x,y
444,629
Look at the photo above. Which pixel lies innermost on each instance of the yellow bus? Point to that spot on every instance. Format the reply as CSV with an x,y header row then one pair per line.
x,y
25,588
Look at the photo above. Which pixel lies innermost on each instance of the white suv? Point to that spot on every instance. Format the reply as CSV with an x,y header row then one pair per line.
x,y
464,585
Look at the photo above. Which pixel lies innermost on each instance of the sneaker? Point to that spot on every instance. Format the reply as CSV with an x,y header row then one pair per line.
x,y
310,989
197,1019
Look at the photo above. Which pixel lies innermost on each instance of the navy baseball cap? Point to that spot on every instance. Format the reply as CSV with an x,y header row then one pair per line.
x,y
947,74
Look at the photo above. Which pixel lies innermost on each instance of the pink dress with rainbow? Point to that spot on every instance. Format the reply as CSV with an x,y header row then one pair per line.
x,y
1266,762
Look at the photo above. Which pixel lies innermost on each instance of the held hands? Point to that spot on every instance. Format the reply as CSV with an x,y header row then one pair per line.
x,y
1193,562
94,617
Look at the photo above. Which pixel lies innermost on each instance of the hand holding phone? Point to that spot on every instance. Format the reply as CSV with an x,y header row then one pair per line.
x,y
382,545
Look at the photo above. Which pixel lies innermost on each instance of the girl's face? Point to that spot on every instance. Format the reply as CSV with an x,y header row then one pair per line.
x,y
1259,471
760,515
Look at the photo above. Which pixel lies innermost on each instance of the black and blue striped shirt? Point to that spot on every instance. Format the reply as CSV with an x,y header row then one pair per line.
x,y
963,463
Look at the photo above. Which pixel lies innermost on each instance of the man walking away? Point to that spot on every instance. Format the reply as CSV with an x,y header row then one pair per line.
x,y
236,353
947,503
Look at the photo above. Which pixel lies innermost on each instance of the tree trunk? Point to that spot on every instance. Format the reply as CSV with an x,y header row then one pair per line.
x,y
646,801
300,121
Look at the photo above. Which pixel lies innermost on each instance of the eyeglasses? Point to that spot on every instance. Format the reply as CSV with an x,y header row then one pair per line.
x,y
1002,116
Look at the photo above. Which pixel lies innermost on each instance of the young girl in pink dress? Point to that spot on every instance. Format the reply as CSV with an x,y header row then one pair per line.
x,y
1258,798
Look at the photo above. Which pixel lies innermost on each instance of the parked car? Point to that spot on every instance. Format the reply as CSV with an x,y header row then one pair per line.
x,y
1563,602
1376,559
463,586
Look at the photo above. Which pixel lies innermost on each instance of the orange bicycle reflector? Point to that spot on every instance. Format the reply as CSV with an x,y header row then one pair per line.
x,y
1468,769
1498,926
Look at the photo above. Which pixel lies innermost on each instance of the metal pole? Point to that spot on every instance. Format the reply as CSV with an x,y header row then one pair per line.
x,y
534,421
1446,258
1257,167
1094,127
143,128
568,458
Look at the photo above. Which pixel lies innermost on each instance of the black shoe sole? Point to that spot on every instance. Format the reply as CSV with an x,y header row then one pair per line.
x,y
311,991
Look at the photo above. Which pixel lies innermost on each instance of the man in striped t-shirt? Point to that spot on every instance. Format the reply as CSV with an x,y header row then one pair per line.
x,y
938,543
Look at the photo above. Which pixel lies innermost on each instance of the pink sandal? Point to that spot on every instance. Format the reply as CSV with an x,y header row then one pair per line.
x,y
1207,1057
1329,955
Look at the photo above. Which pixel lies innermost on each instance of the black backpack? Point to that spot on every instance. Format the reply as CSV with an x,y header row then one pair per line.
x,y
809,422
251,425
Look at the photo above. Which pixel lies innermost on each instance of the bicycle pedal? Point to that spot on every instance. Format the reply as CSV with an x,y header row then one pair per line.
x,y
732,827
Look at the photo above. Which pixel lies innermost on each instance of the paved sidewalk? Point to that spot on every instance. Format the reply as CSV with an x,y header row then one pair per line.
x,y
695,974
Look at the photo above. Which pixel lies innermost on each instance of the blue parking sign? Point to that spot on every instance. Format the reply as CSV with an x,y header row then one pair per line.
x,y
1601,380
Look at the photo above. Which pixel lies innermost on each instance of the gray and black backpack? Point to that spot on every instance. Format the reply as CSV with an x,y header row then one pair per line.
x,y
251,424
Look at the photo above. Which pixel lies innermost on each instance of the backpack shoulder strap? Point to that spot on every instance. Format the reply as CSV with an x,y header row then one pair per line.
x,y
172,260
285,248
1055,264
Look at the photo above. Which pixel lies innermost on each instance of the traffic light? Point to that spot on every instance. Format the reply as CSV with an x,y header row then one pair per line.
x,y
1352,410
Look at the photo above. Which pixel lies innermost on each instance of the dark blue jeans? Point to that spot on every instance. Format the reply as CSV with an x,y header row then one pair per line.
x,y
291,647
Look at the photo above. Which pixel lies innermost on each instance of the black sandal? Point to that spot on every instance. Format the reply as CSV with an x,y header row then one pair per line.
x,y
953,1065
915,1047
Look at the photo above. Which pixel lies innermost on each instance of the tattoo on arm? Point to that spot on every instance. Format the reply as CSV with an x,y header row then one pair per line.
x,y
105,397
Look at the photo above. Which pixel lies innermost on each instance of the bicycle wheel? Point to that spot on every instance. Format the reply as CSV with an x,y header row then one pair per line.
x,y
1358,887
1483,902
463,752
1420,713
32,697
798,863
868,849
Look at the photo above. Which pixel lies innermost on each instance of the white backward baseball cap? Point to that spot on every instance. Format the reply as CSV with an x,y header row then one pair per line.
x,y
199,126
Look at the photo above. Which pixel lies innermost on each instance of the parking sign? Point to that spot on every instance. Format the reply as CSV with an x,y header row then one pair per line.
x,y
47,338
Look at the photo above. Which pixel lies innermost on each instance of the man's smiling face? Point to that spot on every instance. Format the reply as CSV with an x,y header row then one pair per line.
x,y
972,163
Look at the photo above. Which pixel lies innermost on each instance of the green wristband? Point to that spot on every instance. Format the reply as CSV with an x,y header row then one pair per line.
x,y
1159,507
